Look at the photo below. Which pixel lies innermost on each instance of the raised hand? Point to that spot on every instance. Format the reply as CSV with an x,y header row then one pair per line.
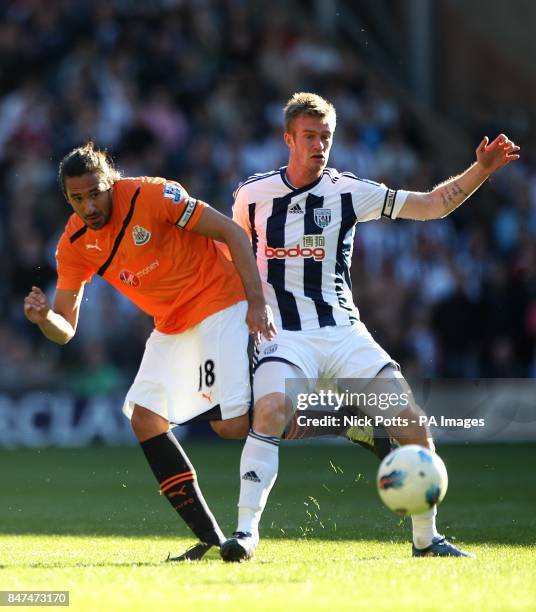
x,y
494,155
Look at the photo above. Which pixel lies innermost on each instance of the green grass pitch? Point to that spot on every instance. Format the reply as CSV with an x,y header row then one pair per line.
x,y
90,521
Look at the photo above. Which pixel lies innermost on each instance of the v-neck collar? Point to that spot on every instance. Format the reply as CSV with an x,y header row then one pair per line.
x,y
297,190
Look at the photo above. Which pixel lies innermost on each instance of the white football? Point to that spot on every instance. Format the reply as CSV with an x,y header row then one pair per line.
x,y
411,480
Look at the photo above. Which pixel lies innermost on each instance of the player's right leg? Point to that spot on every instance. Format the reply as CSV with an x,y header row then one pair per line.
x,y
260,456
168,388
175,474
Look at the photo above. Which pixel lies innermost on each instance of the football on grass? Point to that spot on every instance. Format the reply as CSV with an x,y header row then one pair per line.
x,y
411,480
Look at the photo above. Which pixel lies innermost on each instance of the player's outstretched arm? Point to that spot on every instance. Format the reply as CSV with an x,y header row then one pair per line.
x,y
213,224
57,324
447,196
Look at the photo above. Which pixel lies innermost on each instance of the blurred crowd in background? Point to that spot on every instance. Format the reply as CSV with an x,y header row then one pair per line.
x,y
194,91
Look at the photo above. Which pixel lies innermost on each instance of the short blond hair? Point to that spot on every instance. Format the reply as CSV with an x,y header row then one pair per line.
x,y
311,104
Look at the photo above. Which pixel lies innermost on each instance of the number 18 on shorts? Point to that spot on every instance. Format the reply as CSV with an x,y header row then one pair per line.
x,y
182,376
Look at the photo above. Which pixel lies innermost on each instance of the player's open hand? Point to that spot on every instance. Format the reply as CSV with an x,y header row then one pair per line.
x,y
36,306
496,154
260,321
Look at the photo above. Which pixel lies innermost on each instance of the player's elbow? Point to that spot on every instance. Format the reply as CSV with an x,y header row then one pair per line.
x,y
61,339
59,336
67,332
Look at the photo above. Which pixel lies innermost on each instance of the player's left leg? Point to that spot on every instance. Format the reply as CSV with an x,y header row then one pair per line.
x,y
370,437
236,428
368,370
427,541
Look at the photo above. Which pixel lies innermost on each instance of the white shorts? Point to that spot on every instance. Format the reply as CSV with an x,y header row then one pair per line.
x,y
300,362
184,375
328,352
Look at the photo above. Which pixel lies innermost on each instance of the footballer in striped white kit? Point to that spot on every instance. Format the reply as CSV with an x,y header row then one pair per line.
x,y
301,221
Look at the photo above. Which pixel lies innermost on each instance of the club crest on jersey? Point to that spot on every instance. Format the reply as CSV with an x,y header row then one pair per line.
x,y
322,217
140,235
173,192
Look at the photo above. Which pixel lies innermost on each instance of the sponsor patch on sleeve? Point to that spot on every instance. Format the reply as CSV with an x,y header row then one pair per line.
x,y
191,205
173,192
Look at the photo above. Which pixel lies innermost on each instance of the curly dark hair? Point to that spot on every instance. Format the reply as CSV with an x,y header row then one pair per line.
x,y
87,160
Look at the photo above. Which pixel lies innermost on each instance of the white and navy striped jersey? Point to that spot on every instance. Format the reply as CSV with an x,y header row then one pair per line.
x,y
303,241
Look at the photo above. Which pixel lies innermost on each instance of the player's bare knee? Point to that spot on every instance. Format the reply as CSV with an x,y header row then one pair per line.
x,y
147,424
271,414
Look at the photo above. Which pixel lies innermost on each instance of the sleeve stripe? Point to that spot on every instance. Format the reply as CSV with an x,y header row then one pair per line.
x,y
187,214
358,178
389,203
254,179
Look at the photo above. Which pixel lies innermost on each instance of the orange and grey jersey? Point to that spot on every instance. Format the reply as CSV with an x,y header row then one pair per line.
x,y
148,252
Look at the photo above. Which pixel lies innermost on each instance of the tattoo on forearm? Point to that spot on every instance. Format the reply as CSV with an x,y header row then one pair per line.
x,y
450,195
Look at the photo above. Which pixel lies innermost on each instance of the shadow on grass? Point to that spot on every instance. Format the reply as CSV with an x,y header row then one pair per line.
x,y
324,492
206,561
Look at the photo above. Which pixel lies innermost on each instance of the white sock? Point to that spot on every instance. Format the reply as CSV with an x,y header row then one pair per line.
x,y
258,470
424,528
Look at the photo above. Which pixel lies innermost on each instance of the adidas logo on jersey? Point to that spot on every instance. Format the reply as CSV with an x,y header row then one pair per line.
x,y
295,209
251,476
